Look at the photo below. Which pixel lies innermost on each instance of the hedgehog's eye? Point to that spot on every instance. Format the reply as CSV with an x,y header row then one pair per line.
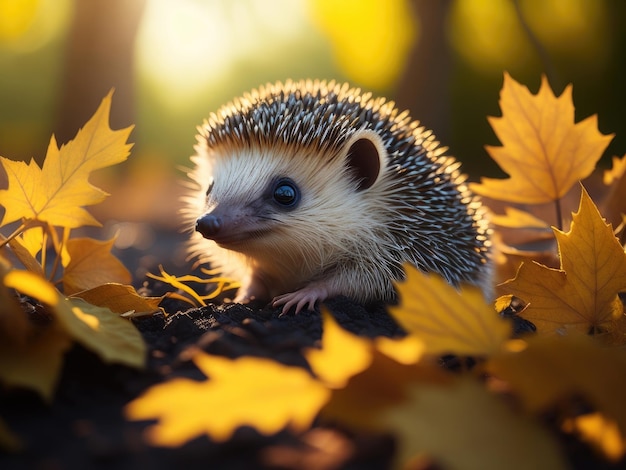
x,y
286,193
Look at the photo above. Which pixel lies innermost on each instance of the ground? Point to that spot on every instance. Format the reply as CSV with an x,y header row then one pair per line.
x,y
84,426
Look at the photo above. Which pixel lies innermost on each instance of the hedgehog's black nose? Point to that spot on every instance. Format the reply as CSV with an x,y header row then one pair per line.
x,y
209,225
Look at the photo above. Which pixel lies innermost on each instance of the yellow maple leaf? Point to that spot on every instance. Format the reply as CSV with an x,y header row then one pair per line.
x,y
545,370
447,320
582,295
341,355
247,391
56,192
544,152
91,264
382,385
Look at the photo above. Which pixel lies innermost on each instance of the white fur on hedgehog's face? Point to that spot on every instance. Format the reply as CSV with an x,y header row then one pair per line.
x,y
267,203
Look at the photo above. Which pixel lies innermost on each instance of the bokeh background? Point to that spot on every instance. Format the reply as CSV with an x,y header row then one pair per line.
x,y
173,62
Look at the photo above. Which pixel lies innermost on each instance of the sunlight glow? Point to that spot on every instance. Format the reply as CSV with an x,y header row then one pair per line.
x,y
183,46
27,25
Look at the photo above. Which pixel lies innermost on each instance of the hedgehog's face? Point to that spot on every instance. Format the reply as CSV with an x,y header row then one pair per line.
x,y
281,201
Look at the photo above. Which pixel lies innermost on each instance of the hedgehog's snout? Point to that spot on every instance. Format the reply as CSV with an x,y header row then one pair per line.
x,y
209,225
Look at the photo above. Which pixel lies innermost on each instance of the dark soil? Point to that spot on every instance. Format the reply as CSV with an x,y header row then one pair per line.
x,y
84,427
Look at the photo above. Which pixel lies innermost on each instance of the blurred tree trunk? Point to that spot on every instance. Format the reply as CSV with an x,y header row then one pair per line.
x,y
99,56
424,88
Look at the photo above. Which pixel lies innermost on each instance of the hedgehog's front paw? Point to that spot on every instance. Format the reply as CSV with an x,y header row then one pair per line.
x,y
307,296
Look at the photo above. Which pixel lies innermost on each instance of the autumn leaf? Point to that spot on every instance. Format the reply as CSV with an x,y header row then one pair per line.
x,y
247,391
341,355
515,218
8,441
32,240
382,385
448,321
407,350
582,295
36,365
614,203
461,425
24,255
14,326
119,298
111,337
56,192
30,357
544,152
430,412
601,433
545,370
91,264
616,172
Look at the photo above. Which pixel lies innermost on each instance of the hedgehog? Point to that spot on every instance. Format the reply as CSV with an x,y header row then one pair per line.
x,y
306,190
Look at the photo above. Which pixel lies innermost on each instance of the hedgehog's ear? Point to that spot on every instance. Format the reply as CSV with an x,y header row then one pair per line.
x,y
364,157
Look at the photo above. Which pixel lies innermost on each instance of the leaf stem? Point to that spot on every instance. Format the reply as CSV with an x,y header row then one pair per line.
x,y
44,243
559,214
59,251
15,233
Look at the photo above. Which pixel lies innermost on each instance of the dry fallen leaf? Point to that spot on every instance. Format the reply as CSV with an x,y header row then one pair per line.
x,y
119,298
30,357
461,425
91,264
617,171
582,295
24,255
431,412
447,320
546,370
544,151
613,205
601,433
515,218
342,354
383,385
56,192
14,325
113,338
247,391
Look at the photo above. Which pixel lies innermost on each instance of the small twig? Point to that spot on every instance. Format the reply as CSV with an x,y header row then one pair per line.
x,y
15,233
541,51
